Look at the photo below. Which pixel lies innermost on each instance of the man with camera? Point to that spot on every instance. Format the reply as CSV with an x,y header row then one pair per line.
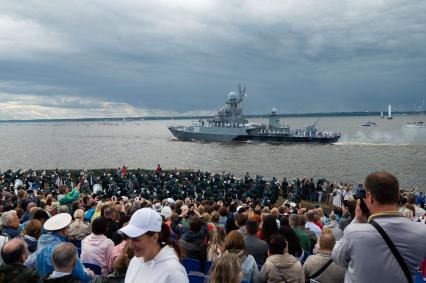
x,y
380,245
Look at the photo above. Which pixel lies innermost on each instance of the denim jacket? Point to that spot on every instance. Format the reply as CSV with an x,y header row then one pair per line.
x,y
41,259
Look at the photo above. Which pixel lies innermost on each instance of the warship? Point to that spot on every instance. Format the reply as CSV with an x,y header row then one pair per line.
x,y
229,124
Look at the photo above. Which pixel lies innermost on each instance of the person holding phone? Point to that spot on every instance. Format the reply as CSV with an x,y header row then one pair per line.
x,y
385,246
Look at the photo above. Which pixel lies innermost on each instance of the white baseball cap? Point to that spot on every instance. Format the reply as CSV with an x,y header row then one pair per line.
x,y
166,212
142,221
57,222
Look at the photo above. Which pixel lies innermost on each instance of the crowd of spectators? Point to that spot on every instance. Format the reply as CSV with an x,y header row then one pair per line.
x,y
140,226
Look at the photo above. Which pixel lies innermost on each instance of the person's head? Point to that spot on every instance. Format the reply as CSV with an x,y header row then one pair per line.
x,y
234,241
293,220
33,210
15,251
33,228
269,227
310,216
275,212
252,227
326,242
63,209
215,216
109,212
99,226
382,192
118,207
332,217
349,207
64,257
241,219
79,214
277,244
216,243
411,198
217,237
226,269
41,216
284,221
223,211
320,211
148,234
206,217
31,205
10,219
195,224
22,194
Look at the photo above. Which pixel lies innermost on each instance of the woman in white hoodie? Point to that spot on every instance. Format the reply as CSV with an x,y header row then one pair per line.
x,y
157,259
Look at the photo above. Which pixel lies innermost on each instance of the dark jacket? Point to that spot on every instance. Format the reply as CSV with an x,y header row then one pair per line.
x,y
15,273
64,279
194,245
111,231
257,248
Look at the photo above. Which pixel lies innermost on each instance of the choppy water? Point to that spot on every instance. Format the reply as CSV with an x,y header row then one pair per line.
x,y
361,150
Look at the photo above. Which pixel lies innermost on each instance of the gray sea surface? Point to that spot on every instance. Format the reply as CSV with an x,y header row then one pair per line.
x,y
361,150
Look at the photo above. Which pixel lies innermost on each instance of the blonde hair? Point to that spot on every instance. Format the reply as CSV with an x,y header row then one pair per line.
x,y
225,269
216,244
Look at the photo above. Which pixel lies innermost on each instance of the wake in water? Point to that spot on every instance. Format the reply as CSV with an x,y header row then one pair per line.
x,y
404,136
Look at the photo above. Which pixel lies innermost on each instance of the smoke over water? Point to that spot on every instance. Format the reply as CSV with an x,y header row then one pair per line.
x,y
375,136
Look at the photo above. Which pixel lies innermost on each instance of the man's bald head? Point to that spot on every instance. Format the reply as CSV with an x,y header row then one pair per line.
x,y
33,209
14,251
327,241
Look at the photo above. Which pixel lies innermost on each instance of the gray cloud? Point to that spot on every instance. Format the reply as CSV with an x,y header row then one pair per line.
x,y
299,56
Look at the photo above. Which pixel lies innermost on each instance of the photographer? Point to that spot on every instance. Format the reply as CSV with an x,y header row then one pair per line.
x,y
397,254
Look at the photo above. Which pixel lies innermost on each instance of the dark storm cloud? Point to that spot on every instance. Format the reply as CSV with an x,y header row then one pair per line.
x,y
157,56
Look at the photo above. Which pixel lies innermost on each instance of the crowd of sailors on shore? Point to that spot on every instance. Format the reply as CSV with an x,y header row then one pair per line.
x,y
169,226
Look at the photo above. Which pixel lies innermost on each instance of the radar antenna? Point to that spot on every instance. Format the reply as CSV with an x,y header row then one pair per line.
x,y
241,92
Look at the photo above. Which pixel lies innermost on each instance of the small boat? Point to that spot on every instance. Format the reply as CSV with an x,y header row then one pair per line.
x,y
418,123
370,124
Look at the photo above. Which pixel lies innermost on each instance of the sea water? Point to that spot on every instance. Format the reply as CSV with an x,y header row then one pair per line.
x,y
142,144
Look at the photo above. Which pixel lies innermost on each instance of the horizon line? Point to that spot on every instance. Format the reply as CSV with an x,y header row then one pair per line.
x,y
184,117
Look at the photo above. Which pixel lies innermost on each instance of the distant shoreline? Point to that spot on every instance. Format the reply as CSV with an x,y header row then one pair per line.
x,y
153,118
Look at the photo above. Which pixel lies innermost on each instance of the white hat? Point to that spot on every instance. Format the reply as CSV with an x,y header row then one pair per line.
x,y
166,212
57,222
142,221
170,201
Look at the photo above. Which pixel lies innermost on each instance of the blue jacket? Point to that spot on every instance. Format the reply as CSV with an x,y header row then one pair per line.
x,y
41,260
89,214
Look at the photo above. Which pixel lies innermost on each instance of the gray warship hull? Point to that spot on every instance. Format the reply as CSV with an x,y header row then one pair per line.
x,y
291,139
219,134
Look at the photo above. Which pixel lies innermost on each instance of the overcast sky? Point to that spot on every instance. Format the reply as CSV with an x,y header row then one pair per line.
x,y
63,59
